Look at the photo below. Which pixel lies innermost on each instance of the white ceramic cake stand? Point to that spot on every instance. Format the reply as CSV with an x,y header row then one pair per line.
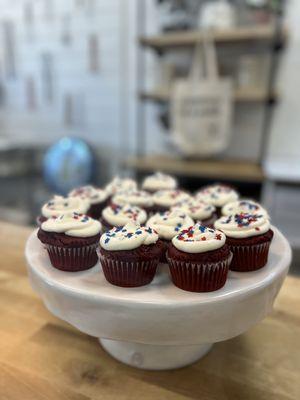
x,y
158,326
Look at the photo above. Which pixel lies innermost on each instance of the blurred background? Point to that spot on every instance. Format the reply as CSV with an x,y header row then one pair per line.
x,y
86,88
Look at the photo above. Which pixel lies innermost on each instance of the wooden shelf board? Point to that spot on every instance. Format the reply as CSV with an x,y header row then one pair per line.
x,y
234,170
188,38
240,95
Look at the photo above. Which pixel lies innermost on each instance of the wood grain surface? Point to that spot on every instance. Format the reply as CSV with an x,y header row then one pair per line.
x,y
44,358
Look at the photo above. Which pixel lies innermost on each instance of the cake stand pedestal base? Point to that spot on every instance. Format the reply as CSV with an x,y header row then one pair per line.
x,y
176,327
154,357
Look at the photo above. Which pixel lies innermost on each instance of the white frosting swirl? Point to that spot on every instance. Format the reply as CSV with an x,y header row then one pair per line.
x,y
244,206
167,224
60,205
72,224
159,181
138,198
121,215
217,195
118,184
168,198
195,208
199,239
128,237
92,194
243,225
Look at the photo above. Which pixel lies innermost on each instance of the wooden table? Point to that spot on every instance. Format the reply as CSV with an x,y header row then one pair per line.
x,y
44,358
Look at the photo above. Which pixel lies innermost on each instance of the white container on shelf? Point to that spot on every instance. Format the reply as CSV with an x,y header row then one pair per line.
x,y
218,14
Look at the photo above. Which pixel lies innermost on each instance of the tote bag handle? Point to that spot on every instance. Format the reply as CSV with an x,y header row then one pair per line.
x,y
204,64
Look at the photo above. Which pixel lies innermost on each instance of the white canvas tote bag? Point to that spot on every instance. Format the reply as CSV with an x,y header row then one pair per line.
x,y
201,105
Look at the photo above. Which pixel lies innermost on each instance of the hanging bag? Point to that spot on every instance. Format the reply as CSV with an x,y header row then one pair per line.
x,y
201,105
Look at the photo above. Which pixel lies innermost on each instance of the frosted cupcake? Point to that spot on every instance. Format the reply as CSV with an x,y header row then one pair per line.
x,y
199,259
164,200
129,255
198,210
138,198
114,215
96,197
249,237
217,195
244,206
159,181
119,184
71,241
60,205
168,224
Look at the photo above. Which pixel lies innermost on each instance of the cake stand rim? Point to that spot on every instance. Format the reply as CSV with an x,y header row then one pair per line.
x,y
284,263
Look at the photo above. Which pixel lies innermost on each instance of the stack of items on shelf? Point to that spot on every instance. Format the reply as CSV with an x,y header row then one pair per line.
x,y
199,236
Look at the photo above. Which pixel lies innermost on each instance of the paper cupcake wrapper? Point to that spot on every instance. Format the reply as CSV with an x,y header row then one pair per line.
x,y
128,273
199,277
249,258
73,258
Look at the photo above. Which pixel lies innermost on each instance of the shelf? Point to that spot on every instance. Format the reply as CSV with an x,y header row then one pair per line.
x,y
240,95
263,33
233,170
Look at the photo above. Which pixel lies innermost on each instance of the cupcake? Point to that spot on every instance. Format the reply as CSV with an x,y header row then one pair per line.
x,y
198,210
129,255
165,199
199,259
96,197
71,241
248,237
159,181
114,215
168,224
119,184
60,205
138,198
217,195
245,207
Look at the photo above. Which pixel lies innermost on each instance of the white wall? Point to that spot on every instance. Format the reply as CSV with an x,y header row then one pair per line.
x,y
96,96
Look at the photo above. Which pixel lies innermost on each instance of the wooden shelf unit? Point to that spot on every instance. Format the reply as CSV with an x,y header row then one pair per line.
x,y
262,33
267,37
240,95
232,170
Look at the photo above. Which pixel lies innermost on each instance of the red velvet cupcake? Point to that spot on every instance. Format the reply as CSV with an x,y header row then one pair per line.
x,y
71,241
164,200
217,195
244,206
249,237
198,210
114,216
118,184
199,259
138,198
168,224
61,205
159,181
129,255
96,197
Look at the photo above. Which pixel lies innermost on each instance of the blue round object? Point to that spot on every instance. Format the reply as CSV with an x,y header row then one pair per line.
x,y
67,164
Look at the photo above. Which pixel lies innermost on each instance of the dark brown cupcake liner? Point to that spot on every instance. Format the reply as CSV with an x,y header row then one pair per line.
x,y
249,257
72,259
199,277
128,273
